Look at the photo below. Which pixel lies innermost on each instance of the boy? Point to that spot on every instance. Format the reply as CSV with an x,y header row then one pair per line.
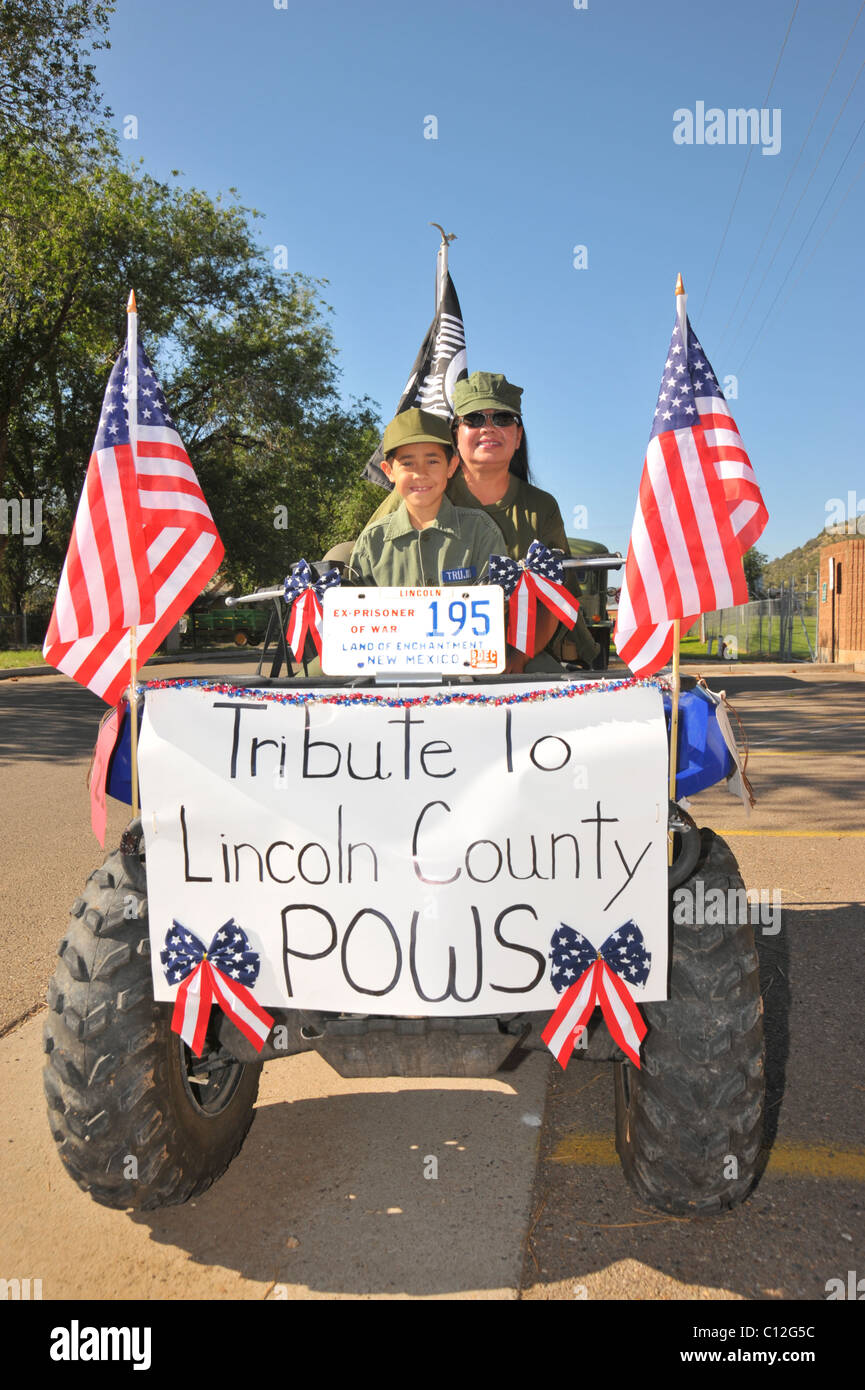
x,y
426,540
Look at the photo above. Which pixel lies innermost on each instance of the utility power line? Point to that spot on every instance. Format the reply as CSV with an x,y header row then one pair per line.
x,y
747,162
732,313
802,243
781,239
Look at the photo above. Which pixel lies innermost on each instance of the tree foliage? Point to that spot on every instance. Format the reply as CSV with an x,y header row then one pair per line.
x,y
753,563
244,352
48,90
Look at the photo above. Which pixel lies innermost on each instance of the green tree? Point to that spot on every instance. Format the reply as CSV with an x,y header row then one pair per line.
x,y
48,90
245,355
754,562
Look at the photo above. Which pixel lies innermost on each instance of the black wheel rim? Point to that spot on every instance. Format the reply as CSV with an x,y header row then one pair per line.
x,y
210,1080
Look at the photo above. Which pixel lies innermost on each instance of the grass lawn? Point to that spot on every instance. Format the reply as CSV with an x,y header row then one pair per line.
x,y
750,645
29,656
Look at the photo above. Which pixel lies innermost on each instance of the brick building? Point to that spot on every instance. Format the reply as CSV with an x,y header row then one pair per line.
x,y
841,601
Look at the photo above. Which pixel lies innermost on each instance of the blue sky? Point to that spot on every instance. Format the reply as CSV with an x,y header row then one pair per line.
x,y
555,130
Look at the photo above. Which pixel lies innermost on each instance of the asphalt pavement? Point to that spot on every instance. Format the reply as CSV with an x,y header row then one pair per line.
x,y
803,844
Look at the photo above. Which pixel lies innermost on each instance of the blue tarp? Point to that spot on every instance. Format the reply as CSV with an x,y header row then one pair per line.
x,y
703,757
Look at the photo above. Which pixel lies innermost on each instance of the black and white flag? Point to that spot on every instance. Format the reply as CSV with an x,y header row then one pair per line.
x,y
440,363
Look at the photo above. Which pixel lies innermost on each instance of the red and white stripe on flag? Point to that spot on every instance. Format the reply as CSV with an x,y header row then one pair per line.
x,y
699,509
143,546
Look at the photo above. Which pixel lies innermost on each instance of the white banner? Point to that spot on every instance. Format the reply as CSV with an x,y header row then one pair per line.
x,y
414,859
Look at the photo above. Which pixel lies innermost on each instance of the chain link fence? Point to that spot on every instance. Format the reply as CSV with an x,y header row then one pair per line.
x,y
23,629
783,627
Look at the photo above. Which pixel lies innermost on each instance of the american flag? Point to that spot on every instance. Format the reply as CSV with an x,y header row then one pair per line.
x,y
440,363
144,543
699,510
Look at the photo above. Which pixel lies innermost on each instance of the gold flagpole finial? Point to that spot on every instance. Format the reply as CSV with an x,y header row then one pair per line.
x,y
131,306
680,288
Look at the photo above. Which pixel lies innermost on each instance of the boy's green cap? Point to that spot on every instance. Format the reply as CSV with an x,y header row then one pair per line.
x,y
416,427
486,391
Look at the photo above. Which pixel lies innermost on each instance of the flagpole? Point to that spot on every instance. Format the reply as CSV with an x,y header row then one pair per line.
x,y
682,315
132,413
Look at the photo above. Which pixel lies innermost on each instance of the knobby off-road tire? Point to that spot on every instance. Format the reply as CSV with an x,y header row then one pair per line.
x,y
689,1123
132,1126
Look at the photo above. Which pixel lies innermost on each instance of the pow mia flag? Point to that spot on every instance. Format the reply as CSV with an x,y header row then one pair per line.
x,y
440,363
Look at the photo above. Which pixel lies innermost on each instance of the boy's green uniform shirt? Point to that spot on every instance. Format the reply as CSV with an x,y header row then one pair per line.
x,y
453,549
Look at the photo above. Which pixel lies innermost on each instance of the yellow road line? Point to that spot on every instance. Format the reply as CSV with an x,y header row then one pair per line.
x,y
793,753
593,1150
817,1161
795,834
805,752
785,1161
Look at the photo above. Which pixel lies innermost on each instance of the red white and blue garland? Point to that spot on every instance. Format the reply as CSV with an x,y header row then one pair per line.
x,y
222,974
565,690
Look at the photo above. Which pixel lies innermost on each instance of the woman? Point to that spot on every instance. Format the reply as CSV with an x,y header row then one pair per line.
x,y
493,475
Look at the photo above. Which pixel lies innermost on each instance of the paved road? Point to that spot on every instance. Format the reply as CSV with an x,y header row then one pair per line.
x,y
328,1197
805,1223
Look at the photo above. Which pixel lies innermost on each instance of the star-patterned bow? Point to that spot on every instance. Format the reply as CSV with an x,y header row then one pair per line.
x,y
303,594
221,974
539,576
589,975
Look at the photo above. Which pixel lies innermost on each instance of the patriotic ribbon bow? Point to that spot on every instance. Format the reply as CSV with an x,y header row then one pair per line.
x,y
221,974
303,594
539,576
595,974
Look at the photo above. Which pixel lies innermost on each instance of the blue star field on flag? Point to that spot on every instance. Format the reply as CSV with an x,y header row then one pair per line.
x,y
624,952
229,951
113,428
686,375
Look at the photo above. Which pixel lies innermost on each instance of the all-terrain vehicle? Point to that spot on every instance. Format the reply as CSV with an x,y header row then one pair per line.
x,y
142,1121
592,579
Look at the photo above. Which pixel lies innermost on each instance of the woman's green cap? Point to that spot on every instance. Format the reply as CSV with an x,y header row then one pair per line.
x,y
416,427
486,391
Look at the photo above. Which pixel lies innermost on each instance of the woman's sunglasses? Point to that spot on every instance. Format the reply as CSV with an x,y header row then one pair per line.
x,y
476,419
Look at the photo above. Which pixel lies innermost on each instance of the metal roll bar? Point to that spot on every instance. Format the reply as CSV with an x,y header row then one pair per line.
x,y
591,562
